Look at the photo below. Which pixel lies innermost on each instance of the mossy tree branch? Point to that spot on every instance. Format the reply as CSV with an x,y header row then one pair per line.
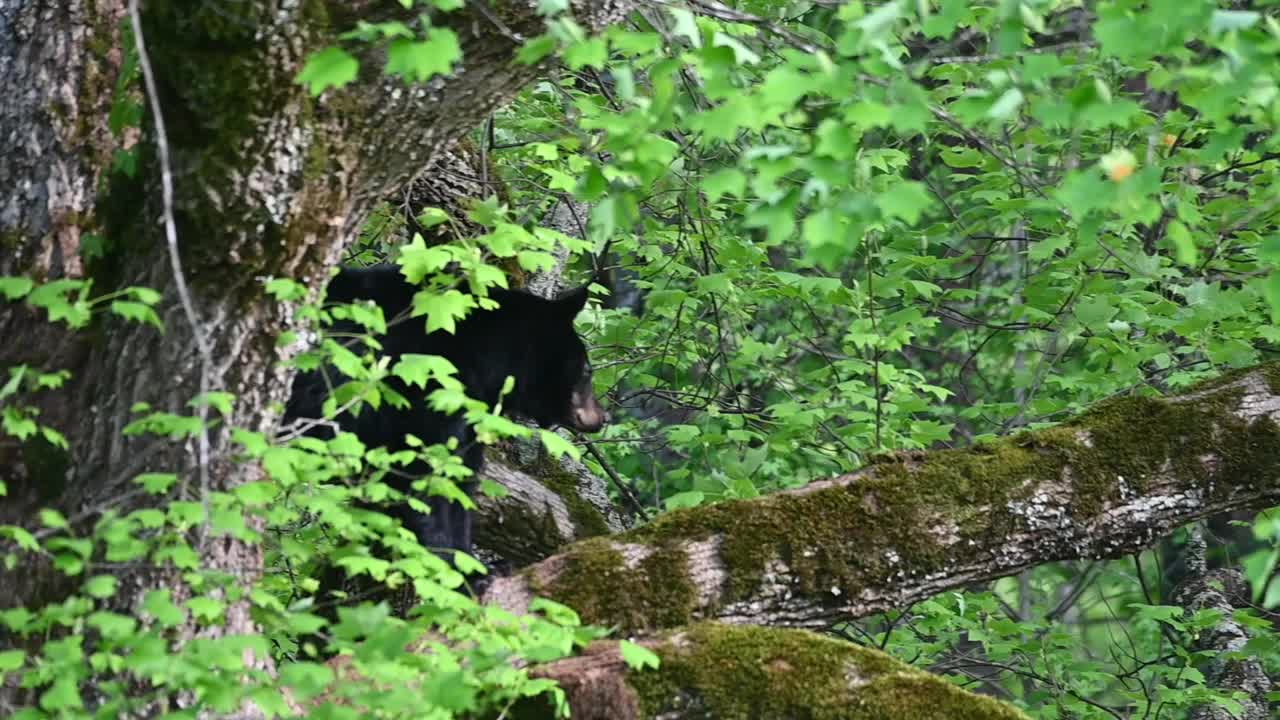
x,y
911,525
722,671
549,504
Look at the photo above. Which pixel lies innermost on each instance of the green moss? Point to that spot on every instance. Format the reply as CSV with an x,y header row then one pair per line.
x,y
655,592
317,163
731,672
210,77
587,520
530,457
1118,446
1271,373
822,535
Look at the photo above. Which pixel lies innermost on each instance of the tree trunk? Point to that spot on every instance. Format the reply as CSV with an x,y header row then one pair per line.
x,y
268,182
1224,590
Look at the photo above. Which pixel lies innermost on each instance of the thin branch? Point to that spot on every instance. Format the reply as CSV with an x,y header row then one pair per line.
x,y
171,237
623,488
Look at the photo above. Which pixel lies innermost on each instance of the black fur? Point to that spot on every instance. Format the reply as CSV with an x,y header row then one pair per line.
x,y
529,338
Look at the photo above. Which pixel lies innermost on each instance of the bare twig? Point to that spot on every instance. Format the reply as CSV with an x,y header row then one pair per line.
x,y
171,236
623,488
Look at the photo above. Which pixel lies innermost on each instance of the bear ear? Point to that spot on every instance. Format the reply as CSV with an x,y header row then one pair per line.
x,y
572,302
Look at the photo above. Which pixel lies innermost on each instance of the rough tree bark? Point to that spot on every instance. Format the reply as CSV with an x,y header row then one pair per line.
x,y
269,182
549,504
1224,590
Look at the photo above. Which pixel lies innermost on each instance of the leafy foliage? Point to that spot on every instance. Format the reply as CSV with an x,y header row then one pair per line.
x,y
880,226
834,231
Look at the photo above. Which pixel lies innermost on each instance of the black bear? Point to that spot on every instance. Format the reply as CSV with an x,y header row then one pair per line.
x,y
529,338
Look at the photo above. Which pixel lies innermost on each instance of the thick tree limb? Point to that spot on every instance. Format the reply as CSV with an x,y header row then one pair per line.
x,y
912,525
721,671
549,504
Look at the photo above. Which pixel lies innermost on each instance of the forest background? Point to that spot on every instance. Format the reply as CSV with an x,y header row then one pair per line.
x,y
942,328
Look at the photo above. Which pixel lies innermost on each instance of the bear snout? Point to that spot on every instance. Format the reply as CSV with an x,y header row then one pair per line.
x,y
586,414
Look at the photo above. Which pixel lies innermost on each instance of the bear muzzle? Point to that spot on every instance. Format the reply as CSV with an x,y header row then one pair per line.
x,y
585,413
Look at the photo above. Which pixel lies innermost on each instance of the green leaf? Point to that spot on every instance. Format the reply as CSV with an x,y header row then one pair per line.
x,y
535,49
101,586
1183,244
143,294
331,67
443,309
557,613
417,261
415,369
156,483
51,518
591,52
1082,193
23,539
726,181
157,604
1006,105
907,201
879,22
468,565
370,32
422,60
62,695
1095,312
685,25
869,114
206,609
136,311
286,289
535,260
558,446
256,494
220,401
688,499
1271,290
11,660
742,55
52,296
1042,66
305,679
637,657
551,8
15,288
